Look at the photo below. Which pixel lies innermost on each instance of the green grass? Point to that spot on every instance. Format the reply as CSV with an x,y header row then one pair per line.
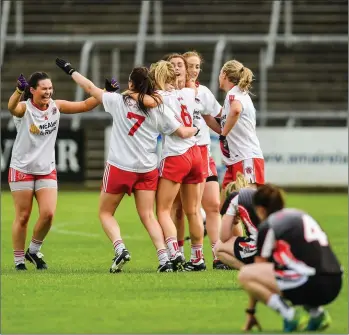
x,y
79,295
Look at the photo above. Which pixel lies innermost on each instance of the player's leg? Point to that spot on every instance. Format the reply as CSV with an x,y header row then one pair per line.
x,y
225,252
144,191
46,197
228,177
172,171
22,194
258,280
190,194
165,196
177,216
210,202
115,184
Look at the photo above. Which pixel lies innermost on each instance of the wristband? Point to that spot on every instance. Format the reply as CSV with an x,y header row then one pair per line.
x,y
19,91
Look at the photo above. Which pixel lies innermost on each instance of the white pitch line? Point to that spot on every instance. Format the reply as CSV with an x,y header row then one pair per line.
x,y
90,235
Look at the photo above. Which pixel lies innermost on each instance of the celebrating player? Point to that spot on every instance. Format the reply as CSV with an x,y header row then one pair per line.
x,y
132,159
33,169
180,169
238,140
233,248
210,187
294,262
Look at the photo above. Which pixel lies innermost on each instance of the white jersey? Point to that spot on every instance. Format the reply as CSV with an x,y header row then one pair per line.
x,y
133,140
242,138
210,106
182,102
34,147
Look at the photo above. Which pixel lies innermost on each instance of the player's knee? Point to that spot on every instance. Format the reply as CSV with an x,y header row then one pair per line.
x,y
244,275
212,207
23,218
146,216
47,215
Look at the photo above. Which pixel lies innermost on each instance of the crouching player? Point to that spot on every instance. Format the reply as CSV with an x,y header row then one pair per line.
x,y
238,236
294,262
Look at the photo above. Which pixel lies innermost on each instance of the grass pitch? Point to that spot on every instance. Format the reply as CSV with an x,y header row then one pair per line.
x,y
79,295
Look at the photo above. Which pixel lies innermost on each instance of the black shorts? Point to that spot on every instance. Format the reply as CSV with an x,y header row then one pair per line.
x,y
244,251
318,290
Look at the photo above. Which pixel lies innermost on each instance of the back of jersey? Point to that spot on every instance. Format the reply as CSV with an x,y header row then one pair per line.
x,y
133,139
182,102
300,239
242,139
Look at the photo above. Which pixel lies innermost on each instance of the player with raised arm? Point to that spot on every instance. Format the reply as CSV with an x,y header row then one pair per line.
x,y
240,146
180,170
32,170
237,243
294,262
132,160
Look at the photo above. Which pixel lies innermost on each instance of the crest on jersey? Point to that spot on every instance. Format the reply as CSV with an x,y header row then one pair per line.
x,y
231,97
34,129
54,110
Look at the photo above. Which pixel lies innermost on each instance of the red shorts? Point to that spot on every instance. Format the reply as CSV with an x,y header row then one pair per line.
x,y
212,171
205,160
15,176
184,169
118,181
252,169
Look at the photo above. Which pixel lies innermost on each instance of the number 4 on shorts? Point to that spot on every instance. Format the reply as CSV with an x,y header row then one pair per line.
x,y
140,119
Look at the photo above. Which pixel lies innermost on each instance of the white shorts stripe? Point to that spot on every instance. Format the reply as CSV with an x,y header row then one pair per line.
x,y
106,177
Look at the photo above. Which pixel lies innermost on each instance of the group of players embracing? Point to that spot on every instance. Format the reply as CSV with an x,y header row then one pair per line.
x,y
280,253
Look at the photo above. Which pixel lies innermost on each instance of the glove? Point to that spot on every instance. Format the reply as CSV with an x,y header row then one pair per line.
x,y
111,85
224,146
65,66
21,84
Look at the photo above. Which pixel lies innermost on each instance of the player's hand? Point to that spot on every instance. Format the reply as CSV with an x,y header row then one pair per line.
x,y
224,146
111,85
21,84
251,322
65,66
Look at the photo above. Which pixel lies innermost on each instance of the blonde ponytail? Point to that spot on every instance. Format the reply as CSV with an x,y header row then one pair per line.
x,y
238,74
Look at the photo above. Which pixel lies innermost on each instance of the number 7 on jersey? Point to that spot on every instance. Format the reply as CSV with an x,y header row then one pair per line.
x,y
140,119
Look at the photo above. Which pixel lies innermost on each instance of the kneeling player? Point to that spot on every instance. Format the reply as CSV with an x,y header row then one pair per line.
x,y
294,262
233,248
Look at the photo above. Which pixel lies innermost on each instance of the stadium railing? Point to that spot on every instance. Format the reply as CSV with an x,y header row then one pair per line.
x,y
266,57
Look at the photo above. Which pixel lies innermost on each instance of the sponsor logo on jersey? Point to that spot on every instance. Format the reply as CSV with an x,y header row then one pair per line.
x,y
34,129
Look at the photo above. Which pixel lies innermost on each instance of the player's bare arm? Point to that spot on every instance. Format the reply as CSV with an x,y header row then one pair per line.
x,y
212,123
186,132
74,107
87,85
233,116
15,107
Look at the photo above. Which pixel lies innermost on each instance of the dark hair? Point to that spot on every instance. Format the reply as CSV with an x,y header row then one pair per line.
x,y
143,85
270,197
33,81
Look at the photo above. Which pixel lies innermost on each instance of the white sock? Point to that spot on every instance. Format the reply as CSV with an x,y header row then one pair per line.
x,y
119,246
35,246
196,253
18,256
181,246
172,246
162,256
277,304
